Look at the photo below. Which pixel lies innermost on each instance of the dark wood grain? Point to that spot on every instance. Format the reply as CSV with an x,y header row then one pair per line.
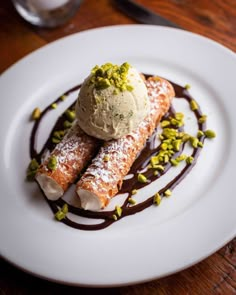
x,y
215,19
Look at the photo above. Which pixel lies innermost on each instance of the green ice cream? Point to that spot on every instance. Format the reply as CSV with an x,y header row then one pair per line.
x,y
113,100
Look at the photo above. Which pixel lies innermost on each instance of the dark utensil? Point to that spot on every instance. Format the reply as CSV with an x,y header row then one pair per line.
x,y
142,14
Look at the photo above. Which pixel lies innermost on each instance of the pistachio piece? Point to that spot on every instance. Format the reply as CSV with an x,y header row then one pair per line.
x,y
200,133
157,199
202,119
174,162
132,201
67,124
60,215
187,86
63,97
200,144
194,142
65,209
114,217
54,105
193,105
189,160
70,115
118,211
134,192
142,178
210,133
165,123
168,193
52,163
32,169
36,114
155,173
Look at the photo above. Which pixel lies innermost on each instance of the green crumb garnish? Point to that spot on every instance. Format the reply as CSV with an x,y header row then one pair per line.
x,y
168,193
114,217
202,119
200,133
60,215
155,173
111,75
179,116
194,141
157,199
142,178
187,86
134,192
65,209
55,140
52,163
118,211
165,123
193,105
189,160
67,124
63,97
54,105
210,133
36,114
176,144
174,162
200,144
32,169
132,201
70,115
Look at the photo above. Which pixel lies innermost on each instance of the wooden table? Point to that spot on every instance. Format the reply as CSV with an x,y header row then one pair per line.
x,y
215,19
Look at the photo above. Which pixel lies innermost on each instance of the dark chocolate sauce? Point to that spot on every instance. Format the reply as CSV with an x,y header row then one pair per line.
x,y
105,218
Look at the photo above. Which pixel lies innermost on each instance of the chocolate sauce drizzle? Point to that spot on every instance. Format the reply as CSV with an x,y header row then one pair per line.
x,y
105,218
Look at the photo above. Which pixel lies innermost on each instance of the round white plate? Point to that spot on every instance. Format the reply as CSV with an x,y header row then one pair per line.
x,y
196,221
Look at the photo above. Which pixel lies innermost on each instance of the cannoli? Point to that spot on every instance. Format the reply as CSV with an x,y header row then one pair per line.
x,y
66,161
103,178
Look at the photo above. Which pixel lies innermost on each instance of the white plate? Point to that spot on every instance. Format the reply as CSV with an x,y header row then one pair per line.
x,y
196,221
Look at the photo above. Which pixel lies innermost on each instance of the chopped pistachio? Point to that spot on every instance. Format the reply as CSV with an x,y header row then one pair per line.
x,y
200,144
159,168
63,97
186,137
155,173
166,159
65,209
36,114
142,178
52,163
55,140
168,193
194,142
60,215
210,133
176,122
176,144
134,192
169,133
200,133
189,160
179,116
67,124
114,217
181,158
32,169
70,115
202,119
157,199
187,86
54,105
118,211
154,160
165,123
132,201
174,162
193,105
164,146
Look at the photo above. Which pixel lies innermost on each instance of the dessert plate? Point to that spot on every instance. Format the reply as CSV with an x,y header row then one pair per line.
x,y
194,222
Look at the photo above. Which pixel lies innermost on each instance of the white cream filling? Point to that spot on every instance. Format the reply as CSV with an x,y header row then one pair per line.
x,y
51,188
89,201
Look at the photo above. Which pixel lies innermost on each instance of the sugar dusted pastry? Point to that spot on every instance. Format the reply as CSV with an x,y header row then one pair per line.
x,y
104,177
65,162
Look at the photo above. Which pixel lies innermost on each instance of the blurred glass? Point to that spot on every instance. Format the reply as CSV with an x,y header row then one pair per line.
x,y
47,13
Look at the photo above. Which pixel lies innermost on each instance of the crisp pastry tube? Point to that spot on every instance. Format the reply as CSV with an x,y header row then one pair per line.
x,y
104,176
71,155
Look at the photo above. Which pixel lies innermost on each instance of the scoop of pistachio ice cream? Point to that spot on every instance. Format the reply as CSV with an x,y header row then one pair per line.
x,y
112,101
